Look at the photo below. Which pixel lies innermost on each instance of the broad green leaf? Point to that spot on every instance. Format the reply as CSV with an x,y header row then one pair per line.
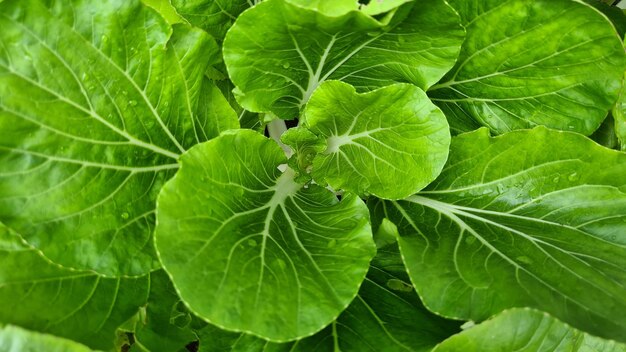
x,y
165,9
16,339
214,16
93,120
79,305
524,63
526,330
249,249
166,325
390,142
278,53
531,218
619,114
385,316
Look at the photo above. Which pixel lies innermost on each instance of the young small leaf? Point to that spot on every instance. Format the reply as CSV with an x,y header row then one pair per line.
x,y
390,142
249,249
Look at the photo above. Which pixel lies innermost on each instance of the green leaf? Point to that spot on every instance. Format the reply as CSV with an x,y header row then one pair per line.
x,y
531,218
249,249
390,142
165,9
524,63
526,330
93,120
79,305
167,324
214,16
305,146
385,316
619,114
278,53
13,338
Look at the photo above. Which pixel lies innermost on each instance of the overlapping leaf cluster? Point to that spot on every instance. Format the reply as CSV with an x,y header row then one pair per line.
x,y
438,191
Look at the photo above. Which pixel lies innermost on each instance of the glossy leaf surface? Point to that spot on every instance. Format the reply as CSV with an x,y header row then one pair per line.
x,y
390,142
531,218
98,101
278,53
520,68
251,250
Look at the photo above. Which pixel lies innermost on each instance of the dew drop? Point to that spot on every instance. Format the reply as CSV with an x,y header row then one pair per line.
x,y
132,102
104,38
470,239
281,264
286,65
251,243
524,260
573,177
125,215
556,179
124,92
399,285
332,243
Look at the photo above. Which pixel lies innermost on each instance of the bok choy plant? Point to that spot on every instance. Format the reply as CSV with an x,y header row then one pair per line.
x,y
312,175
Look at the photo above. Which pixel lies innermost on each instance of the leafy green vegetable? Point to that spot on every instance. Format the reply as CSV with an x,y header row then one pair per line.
x,y
93,123
390,142
249,249
156,199
519,68
385,316
80,305
526,330
510,224
13,338
278,53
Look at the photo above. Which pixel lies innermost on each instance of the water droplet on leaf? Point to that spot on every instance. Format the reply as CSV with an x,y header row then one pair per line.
x,y
399,285
332,243
524,260
573,177
281,264
125,215
286,65
132,102
251,243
